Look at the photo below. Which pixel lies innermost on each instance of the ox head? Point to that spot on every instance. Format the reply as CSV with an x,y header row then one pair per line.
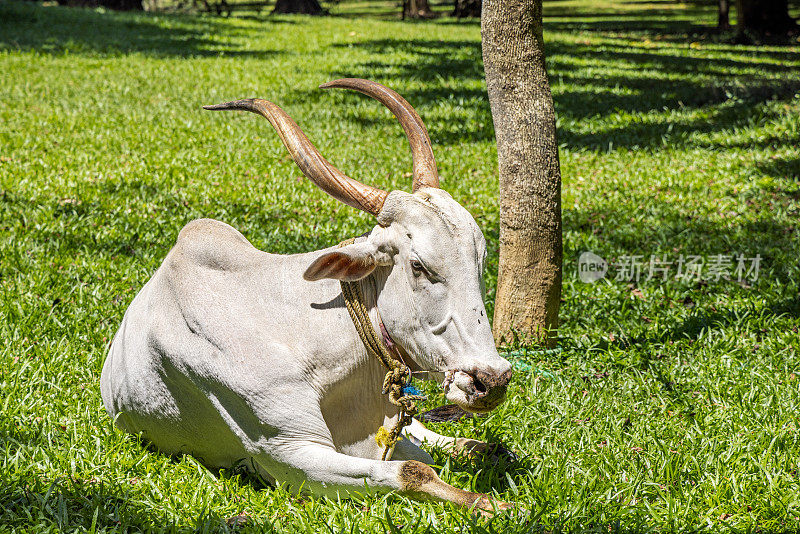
x,y
426,255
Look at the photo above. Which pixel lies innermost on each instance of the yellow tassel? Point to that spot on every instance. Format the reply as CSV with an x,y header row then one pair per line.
x,y
384,438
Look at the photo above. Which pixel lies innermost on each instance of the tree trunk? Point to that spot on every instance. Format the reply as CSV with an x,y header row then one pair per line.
x,y
416,9
122,5
467,8
723,20
764,17
117,5
529,277
305,7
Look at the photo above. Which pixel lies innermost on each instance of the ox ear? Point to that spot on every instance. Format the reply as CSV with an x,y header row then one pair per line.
x,y
349,263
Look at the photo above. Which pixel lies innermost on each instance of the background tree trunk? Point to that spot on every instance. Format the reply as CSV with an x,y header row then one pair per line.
x,y
416,9
123,5
306,7
529,278
764,17
118,5
467,8
723,19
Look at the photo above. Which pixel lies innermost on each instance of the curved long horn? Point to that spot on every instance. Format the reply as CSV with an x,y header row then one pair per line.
x,y
311,163
425,173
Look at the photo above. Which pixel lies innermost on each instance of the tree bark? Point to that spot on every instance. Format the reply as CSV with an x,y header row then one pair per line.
x,y
467,8
529,277
723,19
123,5
416,9
117,5
304,7
764,17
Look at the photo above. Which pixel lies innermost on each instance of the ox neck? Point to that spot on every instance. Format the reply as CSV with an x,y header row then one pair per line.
x,y
369,291
365,296
371,286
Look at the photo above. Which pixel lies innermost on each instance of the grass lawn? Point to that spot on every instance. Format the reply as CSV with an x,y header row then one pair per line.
x,y
673,404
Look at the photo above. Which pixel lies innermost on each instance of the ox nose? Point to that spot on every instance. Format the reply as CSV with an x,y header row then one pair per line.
x,y
489,388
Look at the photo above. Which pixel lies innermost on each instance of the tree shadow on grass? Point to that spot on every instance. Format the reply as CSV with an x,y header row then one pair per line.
x,y
70,504
667,234
700,320
678,232
489,472
788,167
62,30
675,29
65,503
638,80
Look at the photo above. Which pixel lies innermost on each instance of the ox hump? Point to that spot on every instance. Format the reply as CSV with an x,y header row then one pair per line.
x,y
214,244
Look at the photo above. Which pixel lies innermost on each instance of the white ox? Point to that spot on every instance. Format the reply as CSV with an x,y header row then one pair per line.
x,y
231,353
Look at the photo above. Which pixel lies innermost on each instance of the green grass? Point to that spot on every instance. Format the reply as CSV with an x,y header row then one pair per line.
x,y
673,405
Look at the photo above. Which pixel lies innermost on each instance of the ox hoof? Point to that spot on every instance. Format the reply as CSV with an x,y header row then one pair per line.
x,y
493,452
496,452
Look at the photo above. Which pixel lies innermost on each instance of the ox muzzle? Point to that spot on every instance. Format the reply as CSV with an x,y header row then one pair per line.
x,y
483,391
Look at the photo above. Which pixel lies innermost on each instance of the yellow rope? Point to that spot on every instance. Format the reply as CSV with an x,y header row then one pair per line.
x,y
397,374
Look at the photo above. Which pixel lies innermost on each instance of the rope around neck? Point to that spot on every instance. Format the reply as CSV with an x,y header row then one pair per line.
x,y
398,374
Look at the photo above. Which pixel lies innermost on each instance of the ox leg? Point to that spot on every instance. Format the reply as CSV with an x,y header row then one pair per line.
x,y
408,449
323,471
418,434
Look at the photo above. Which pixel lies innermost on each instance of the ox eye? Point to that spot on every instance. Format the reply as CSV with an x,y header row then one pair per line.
x,y
417,267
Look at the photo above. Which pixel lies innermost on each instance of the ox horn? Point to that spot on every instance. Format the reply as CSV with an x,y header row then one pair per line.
x,y
311,163
425,173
